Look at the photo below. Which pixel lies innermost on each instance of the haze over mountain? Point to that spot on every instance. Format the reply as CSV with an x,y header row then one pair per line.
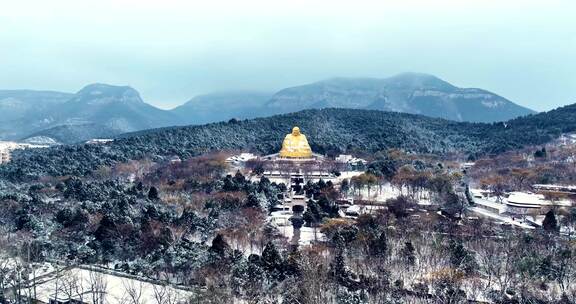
x,y
117,107
17,104
101,110
223,106
96,110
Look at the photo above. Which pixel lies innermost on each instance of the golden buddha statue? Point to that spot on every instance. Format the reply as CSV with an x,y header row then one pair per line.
x,y
295,145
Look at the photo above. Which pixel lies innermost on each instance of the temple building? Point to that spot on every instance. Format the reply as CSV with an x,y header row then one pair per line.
x,y
295,165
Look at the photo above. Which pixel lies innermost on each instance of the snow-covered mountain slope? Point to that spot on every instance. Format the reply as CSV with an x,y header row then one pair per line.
x,y
409,92
18,104
97,109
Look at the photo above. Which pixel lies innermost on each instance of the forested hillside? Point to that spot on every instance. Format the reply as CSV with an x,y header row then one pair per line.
x,y
329,131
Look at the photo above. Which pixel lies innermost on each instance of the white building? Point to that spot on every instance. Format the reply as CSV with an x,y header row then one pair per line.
x,y
98,141
567,139
531,204
350,160
467,165
241,158
175,159
554,188
482,200
4,156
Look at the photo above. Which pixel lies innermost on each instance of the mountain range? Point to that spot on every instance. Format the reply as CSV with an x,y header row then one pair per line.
x,y
20,108
101,110
408,93
97,110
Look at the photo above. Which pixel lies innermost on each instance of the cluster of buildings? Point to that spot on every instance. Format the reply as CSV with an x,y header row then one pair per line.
x,y
529,207
352,162
241,158
567,139
295,165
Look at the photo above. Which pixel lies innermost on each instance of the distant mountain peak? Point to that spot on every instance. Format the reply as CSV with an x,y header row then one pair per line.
x,y
105,87
419,80
100,107
104,93
96,110
415,75
406,77
416,93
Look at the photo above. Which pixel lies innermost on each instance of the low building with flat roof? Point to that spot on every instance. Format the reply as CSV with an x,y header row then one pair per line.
x,y
569,189
524,203
4,156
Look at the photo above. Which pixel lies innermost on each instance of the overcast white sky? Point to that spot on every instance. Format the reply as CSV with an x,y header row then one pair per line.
x,y
170,50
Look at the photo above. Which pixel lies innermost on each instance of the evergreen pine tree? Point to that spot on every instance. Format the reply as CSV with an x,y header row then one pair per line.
x,y
380,245
272,261
338,269
153,193
408,254
219,245
550,224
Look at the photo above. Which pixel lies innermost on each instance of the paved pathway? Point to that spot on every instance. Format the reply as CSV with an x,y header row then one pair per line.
x,y
502,218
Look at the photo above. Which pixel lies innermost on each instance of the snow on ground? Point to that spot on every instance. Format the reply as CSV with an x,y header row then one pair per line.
x,y
308,235
12,145
502,218
364,209
387,191
348,175
90,286
281,220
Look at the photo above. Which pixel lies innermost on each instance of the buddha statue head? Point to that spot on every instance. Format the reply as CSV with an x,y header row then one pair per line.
x,y
295,131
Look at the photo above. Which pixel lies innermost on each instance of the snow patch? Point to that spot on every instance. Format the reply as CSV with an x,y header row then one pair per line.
x,y
41,140
435,93
492,103
11,102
